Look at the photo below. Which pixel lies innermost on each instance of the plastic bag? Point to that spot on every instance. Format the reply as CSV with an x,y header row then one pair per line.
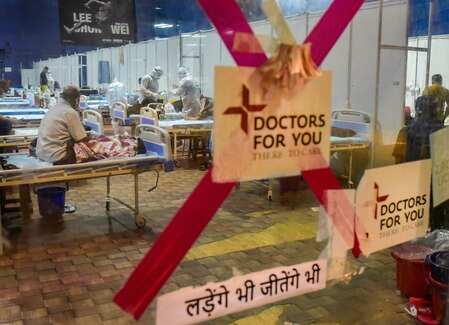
x,y
116,92
437,240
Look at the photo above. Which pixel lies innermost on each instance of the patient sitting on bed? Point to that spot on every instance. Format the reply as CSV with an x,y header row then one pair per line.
x,y
60,129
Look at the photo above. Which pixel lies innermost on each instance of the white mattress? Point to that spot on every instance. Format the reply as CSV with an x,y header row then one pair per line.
x,y
31,117
32,164
25,132
349,140
12,111
174,124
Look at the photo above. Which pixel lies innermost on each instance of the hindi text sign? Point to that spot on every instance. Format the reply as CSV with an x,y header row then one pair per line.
x,y
193,305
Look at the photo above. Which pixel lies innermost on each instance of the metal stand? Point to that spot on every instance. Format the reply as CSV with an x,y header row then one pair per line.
x,y
138,219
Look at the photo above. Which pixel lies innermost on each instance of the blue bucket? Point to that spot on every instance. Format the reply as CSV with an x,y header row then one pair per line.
x,y
51,201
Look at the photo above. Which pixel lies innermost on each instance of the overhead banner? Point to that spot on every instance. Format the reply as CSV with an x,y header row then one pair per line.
x,y
440,166
97,22
262,134
194,305
392,205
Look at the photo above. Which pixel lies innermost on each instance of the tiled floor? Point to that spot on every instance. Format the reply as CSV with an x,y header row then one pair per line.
x,y
69,273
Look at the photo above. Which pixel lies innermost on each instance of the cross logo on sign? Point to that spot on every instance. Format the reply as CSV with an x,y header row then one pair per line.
x,y
242,110
379,199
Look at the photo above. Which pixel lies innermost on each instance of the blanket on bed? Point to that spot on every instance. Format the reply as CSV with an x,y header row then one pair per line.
x,y
104,147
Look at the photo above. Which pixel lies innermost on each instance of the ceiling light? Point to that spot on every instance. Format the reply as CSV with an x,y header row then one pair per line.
x,y
163,25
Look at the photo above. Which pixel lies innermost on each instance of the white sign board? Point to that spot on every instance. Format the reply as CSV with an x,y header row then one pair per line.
x,y
8,69
440,165
392,205
265,134
193,305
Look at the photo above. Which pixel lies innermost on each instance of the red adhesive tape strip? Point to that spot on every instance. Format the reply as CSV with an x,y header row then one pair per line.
x,y
229,19
331,26
173,244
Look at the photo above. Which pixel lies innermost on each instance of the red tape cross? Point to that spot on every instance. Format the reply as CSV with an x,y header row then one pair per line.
x,y
189,222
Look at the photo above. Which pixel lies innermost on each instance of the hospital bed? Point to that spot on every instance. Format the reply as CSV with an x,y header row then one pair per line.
x,y
119,113
31,171
359,126
13,102
10,98
99,104
24,117
94,121
95,103
23,111
22,136
147,116
177,127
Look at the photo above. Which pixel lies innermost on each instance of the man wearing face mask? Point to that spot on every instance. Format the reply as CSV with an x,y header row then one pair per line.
x,y
148,90
60,129
190,93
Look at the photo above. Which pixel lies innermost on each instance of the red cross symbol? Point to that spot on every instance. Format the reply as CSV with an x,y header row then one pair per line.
x,y
189,222
244,109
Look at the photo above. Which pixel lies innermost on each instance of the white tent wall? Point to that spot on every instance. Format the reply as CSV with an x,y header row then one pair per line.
x,y
92,68
174,60
201,51
192,54
151,56
337,63
121,57
139,66
416,70
73,65
162,61
392,81
211,49
115,59
439,57
131,66
28,78
363,63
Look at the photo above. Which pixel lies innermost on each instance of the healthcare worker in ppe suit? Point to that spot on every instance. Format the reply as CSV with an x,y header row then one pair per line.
x,y
148,91
190,93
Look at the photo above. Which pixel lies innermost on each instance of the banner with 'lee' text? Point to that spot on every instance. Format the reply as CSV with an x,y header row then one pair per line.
x,y
97,22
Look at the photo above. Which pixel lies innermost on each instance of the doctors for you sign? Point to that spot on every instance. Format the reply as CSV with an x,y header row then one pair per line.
x,y
264,133
392,205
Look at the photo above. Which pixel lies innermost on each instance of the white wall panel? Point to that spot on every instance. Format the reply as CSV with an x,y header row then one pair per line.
x,y
151,56
337,63
210,57
92,69
391,99
392,71
364,60
190,55
174,60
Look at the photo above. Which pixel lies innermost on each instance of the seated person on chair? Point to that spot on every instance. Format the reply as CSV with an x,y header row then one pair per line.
x,y
60,129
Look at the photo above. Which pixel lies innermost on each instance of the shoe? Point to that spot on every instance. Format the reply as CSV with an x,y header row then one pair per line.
x,y
69,208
